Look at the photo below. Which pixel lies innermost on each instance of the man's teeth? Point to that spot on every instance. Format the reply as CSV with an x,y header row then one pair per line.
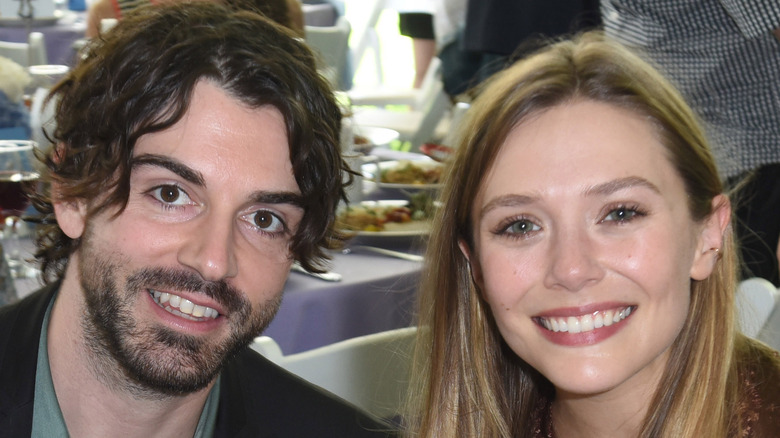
x,y
585,323
183,307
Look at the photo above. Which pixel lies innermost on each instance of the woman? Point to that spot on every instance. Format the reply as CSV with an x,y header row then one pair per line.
x,y
583,268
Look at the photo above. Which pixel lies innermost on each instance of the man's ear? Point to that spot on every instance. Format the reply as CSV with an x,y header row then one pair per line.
x,y
711,238
71,215
476,273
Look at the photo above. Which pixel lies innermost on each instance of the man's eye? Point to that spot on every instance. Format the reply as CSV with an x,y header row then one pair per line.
x,y
267,221
171,194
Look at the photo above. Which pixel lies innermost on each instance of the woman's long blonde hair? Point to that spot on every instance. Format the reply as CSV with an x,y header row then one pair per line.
x,y
467,382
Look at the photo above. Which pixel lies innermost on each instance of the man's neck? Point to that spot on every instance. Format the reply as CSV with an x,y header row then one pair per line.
x,y
96,406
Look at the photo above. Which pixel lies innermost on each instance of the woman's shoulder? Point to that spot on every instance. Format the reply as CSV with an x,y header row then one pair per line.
x,y
760,388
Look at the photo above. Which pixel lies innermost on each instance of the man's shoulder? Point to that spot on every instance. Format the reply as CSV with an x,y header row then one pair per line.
x,y
24,315
279,403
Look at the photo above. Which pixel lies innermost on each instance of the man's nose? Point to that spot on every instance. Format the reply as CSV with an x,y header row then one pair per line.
x,y
573,263
210,249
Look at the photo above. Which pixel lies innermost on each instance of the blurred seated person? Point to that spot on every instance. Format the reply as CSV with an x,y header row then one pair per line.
x,y
288,13
14,116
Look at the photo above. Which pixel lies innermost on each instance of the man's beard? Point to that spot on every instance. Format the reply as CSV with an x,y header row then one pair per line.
x,y
155,361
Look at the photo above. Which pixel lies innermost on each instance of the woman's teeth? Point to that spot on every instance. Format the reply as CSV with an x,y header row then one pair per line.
x,y
183,307
585,323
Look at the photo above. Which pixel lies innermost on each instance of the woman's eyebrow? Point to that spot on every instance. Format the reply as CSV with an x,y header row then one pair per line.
x,y
189,174
603,189
512,200
619,184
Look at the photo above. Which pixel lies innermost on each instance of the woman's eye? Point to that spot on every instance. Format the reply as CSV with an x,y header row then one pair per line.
x,y
522,227
622,214
171,194
267,221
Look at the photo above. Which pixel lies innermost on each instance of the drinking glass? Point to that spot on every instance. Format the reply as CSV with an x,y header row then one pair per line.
x,y
17,175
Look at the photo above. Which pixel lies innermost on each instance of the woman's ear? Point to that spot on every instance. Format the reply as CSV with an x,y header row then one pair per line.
x,y
711,238
71,215
473,264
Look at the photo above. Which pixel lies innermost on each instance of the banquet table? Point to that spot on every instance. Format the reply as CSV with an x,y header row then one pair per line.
x,y
376,293
59,36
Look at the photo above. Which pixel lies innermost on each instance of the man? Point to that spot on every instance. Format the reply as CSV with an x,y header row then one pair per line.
x,y
496,32
196,156
724,56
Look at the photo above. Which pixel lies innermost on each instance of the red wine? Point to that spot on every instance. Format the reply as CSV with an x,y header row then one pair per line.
x,y
13,198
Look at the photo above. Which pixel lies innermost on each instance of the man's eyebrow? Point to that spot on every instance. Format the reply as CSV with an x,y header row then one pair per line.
x,y
189,174
265,197
195,177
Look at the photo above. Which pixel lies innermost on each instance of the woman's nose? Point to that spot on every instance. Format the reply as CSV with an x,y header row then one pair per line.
x,y
210,250
573,263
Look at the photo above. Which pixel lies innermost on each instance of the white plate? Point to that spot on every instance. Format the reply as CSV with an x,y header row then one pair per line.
x,y
370,173
375,137
394,229
48,70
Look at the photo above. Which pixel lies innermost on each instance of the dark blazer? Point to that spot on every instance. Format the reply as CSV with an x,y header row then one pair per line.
x,y
501,26
257,398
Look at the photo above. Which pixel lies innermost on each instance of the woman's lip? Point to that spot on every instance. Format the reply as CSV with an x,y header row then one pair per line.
x,y
563,312
585,329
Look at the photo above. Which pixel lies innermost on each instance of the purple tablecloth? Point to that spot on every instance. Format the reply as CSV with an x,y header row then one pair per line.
x,y
377,293
59,37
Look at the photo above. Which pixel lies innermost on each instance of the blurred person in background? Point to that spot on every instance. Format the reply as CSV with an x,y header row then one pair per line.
x,y
415,20
288,13
14,115
498,31
724,56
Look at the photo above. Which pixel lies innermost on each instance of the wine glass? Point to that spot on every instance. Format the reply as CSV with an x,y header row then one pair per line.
x,y
17,175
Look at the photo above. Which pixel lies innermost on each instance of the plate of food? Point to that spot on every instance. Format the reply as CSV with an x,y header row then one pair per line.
x,y
405,174
370,137
388,218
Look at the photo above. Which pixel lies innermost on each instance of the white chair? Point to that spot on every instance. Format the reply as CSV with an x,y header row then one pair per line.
x,y
384,96
425,120
364,15
42,118
33,52
756,299
371,372
332,45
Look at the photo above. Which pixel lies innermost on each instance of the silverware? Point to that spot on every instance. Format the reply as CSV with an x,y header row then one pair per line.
x,y
387,252
327,276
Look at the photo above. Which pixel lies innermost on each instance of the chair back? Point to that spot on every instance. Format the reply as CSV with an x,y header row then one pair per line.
x,y
364,15
33,52
371,372
332,45
756,299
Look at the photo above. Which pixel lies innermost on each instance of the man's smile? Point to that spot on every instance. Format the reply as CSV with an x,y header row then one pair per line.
x,y
183,307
